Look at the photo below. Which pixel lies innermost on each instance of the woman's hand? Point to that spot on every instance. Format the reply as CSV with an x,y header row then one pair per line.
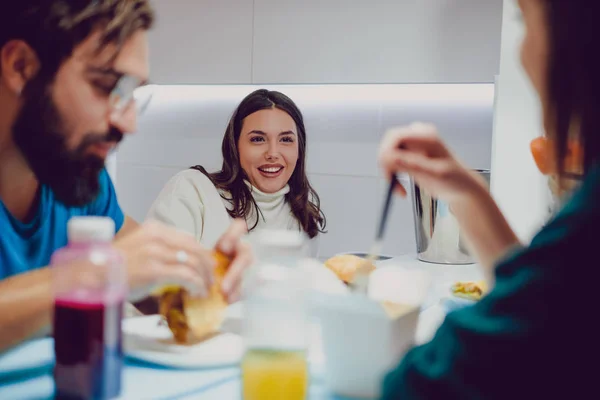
x,y
231,245
418,151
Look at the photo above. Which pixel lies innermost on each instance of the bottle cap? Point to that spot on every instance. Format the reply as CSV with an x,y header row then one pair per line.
x,y
90,229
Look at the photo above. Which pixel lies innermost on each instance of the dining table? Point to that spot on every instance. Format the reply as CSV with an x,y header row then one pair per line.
x,y
26,370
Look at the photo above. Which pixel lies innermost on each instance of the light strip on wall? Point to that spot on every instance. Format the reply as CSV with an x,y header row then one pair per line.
x,y
464,94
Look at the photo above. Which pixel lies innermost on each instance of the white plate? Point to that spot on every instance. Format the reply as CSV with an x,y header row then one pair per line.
x,y
145,339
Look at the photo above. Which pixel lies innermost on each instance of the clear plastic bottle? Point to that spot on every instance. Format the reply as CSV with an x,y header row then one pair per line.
x,y
276,319
90,287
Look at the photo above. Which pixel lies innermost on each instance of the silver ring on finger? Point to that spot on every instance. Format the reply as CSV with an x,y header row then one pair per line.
x,y
182,257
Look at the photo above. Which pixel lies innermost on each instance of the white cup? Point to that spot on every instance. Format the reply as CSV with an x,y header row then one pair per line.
x,y
361,342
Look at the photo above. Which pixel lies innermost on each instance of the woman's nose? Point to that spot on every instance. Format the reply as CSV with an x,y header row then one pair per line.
x,y
272,151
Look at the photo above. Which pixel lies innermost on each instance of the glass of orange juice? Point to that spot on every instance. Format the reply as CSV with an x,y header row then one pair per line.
x,y
276,323
275,375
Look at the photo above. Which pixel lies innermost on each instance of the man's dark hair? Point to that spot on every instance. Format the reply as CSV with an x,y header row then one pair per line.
x,y
53,28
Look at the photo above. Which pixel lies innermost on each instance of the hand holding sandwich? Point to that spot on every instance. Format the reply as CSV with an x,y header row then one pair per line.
x,y
192,316
239,255
158,255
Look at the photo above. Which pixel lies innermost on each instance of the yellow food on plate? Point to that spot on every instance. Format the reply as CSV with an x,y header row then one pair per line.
x,y
469,290
193,318
346,265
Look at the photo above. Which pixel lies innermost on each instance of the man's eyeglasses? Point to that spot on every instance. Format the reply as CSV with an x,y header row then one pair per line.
x,y
128,92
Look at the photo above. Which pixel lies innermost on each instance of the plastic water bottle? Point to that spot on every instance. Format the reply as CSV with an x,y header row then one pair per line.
x,y
90,287
276,323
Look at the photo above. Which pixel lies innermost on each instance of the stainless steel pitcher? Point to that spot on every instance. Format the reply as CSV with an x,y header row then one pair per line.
x,y
438,235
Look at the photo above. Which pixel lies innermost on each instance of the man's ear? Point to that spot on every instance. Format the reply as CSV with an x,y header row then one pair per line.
x,y
19,64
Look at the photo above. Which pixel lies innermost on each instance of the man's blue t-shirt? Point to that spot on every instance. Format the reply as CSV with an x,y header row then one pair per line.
x,y
25,247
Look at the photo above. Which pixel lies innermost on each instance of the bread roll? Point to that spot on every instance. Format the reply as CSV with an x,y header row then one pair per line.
x,y
346,265
205,315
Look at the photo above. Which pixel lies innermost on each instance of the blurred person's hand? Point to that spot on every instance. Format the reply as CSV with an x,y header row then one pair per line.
x,y
418,151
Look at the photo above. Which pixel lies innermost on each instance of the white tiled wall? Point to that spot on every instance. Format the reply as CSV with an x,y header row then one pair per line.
x,y
208,41
376,41
184,126
325,41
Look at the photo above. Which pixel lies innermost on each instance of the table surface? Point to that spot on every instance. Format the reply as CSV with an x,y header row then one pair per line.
x,y
145,381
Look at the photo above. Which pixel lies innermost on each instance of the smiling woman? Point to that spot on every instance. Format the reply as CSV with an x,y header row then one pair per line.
x,y
262,180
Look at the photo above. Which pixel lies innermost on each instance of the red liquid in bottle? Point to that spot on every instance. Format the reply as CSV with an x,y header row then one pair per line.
x,y
88,349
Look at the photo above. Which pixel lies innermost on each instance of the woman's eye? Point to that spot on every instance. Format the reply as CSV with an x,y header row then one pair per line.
x,y
287,139
256,139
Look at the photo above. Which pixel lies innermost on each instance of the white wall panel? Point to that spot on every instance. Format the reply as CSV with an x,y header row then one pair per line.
x,y
202,41
376,41
353,206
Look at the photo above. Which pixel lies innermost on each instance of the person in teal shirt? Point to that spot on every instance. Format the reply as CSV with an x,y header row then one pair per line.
x,y
536,334
69,78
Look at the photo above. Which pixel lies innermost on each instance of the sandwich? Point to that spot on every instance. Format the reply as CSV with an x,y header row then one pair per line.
x,y
345,266
191,318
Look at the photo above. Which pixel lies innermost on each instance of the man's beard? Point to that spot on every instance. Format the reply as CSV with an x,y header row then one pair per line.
x,y
38,131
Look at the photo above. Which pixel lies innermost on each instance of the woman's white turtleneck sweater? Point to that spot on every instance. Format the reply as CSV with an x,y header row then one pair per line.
x,y
190,202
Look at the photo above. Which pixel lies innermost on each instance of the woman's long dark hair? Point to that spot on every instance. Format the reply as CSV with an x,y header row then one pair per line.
x,y
574,79
304,201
